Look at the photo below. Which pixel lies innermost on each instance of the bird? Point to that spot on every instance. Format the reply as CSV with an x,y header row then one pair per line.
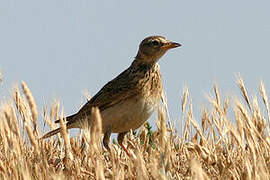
x,y
128,100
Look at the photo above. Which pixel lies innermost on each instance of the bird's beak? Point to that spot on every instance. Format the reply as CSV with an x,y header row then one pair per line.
x,y
170,45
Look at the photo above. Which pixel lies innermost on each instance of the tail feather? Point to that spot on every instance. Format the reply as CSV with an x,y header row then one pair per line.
x,y
70,124
51,133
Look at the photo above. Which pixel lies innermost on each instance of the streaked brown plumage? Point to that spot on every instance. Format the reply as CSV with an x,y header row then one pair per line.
x,y
128,100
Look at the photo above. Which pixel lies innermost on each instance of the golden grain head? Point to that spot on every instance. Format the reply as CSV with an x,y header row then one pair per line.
x,y
217,145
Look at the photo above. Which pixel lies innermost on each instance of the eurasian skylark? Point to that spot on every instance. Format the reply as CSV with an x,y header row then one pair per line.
x,y
128,100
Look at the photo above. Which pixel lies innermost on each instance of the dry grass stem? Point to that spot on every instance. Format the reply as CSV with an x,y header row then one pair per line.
x,y
185,99
32,138
242,87
32,105
222,145
96,130
165,106
265,99
65,135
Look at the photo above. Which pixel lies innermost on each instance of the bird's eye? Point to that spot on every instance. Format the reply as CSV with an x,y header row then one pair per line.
x,y
155,43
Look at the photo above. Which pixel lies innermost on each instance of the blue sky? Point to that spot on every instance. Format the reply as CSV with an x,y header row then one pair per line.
x,y
63,48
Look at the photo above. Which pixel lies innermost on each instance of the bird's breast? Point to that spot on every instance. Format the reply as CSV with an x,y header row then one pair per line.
x,y
129,114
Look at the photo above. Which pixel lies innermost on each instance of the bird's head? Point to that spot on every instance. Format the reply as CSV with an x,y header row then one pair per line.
x,y
153,48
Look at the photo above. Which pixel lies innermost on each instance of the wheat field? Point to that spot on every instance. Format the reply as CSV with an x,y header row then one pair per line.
x,y
218,145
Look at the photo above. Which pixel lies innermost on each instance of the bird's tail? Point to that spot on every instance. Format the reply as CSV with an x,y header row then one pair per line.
x,y
70,124
51,133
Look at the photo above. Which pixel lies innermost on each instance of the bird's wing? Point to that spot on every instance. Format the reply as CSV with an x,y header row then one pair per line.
x,y
121,88
117,90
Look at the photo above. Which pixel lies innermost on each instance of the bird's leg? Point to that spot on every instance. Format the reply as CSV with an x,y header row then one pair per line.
x,y
106,139
120,139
